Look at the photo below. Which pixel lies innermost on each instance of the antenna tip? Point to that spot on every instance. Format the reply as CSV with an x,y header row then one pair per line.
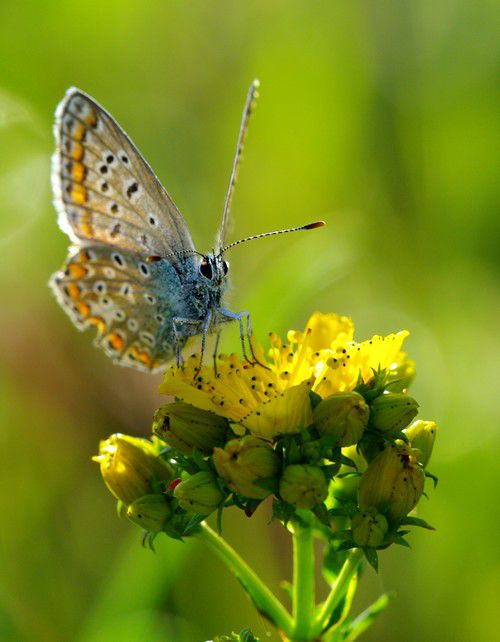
x,y
313,226
255,83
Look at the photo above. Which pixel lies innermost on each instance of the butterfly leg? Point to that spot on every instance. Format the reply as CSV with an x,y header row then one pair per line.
x,y
239,316
206,327
177,323
216,349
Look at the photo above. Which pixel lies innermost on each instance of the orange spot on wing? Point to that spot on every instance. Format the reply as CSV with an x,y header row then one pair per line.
x,y
84,257
77,152
76,270
116,341
78,194
99,323
83,308
78,131
141,355
73,290
78,172
90,119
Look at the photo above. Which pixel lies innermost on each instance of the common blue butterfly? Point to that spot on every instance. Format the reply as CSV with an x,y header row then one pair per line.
x,y
133,271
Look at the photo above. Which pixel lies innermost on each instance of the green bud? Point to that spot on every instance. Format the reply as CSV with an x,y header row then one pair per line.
x,y
150,512
343,415
408,487
390,412
401,377
130,466
345,488
422,435
199,493
303,486
244,462
369,528
185,427
392,483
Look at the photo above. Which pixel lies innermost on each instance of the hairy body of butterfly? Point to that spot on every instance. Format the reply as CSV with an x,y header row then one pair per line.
x,y
133,272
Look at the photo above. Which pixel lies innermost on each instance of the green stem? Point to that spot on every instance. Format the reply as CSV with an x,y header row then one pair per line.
x,y
303,581
337,592
262,597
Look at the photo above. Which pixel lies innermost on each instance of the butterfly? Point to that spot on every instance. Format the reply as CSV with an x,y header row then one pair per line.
x,y
132,271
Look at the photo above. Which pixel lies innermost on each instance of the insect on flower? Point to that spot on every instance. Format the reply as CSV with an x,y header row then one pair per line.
x,y
133,271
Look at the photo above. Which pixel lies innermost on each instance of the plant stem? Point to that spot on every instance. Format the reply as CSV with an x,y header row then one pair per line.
x,y
263,598
337,592
303,581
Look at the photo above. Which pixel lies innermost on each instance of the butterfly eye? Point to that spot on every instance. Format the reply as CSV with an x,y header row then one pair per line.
x,y
225,267
206,269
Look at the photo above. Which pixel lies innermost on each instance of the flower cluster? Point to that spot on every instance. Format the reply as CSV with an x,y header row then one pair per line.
x,y
321,423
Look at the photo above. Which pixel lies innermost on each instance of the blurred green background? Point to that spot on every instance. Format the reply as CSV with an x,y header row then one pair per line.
x,y
379,117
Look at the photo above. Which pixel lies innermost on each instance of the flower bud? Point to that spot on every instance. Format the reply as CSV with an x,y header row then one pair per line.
x,y
369,528
408,487
422,435
390,412
199,493
244,462
130,466
185,427
343,415
392,483
150,512
303,486
345,488
401,377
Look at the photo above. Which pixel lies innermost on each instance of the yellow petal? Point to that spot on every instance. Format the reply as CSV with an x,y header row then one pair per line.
x,y
289,412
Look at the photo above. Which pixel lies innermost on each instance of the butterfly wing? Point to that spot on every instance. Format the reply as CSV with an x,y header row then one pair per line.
x,y
105,192
124,298
117,214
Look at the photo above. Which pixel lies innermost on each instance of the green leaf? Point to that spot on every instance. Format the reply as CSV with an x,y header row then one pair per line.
x,y
321,512
247,636
342,535
365,619
372,557
433,477
398,539
314,398
347,545
416,521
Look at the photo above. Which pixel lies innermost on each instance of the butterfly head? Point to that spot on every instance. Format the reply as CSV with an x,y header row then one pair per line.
x,y
214,268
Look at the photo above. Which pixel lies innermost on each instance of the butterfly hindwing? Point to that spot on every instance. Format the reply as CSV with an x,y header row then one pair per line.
x,y
119,294
104,190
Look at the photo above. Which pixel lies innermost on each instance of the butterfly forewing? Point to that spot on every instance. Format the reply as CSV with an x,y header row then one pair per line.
x,y
105,191
121,295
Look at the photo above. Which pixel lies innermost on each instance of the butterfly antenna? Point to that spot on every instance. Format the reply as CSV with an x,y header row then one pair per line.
x,y
245,119
154,258
309,226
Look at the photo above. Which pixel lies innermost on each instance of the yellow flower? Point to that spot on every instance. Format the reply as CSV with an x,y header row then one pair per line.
x,y
275,400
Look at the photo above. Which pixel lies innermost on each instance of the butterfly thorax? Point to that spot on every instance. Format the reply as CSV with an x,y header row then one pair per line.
x,y
208,284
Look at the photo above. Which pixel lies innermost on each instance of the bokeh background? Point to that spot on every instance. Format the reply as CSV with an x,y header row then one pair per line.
x,y
379,117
